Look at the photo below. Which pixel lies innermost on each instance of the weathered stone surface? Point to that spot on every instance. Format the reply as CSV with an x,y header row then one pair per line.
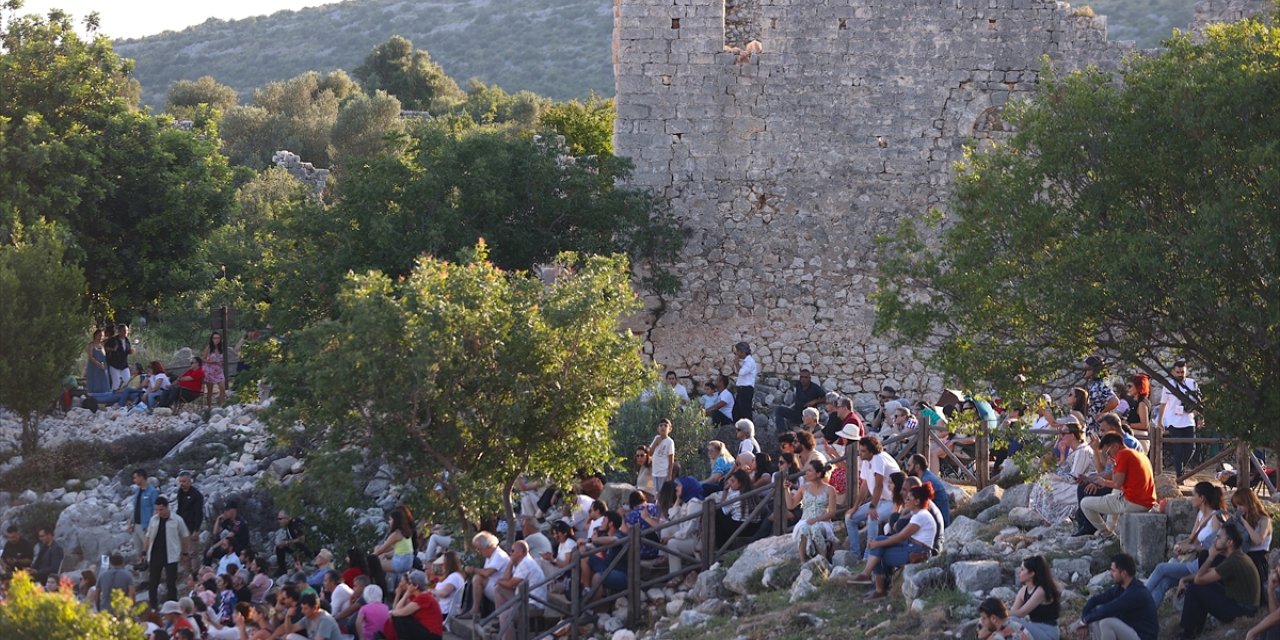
x,y
963,529
1018,496
710,585
1072,570
989,497
1025,518
1182,515
1145,537
976,575
764,553
917,581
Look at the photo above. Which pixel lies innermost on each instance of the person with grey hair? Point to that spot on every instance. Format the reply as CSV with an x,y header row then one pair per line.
x,y
521,568
746,432
748,369
533,536
807,395
484,581
416,615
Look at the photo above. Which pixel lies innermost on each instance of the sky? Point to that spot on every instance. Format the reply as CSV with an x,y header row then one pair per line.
x,y
137,18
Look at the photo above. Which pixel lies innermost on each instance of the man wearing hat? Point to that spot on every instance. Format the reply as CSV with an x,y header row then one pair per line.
x,y
231,527
166,545
416,614
174,619
1101,398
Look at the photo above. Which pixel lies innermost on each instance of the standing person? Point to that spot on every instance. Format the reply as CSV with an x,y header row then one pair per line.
x,y
1138,417
722,410
1226,590
746,383
115,578
190,509
808,394
663,456
118,358
215,354
144,504
1038,603
1101,398
187,387
166,546
1174,417
1131,475
96,378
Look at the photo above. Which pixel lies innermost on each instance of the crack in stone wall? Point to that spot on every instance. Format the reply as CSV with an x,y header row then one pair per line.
x,y
787,162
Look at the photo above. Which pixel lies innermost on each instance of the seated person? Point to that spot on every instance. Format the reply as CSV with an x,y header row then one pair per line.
x,y
1226,591
484,580
1126,610
915,542
1268,628
187,387
18,553
994,622
48,557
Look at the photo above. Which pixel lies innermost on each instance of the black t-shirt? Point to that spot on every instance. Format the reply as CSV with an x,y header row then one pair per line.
x,y
805,396
119,357
18,554
191,508
159,546
833,426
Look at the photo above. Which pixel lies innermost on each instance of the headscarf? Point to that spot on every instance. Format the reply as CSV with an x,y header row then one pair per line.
x,y
690,488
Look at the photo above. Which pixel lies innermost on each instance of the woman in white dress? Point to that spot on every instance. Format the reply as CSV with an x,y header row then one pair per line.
x,y
1054,496
818,498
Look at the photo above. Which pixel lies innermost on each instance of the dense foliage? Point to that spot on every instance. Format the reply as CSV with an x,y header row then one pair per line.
x,y
1138,219
407,73
27,611
463,376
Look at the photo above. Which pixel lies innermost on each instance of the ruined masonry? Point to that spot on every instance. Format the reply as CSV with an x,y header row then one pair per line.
x,y
787,163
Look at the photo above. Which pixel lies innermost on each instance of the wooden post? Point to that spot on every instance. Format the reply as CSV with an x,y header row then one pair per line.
x,y
634,593
575,594
522,614
708,533
923,431
779,503
1244,464
1156,434
983,466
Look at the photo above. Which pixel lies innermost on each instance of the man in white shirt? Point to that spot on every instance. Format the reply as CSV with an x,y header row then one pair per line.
x,y
521,568
485,579
747,372
873,483
673,381
1177,421
721,411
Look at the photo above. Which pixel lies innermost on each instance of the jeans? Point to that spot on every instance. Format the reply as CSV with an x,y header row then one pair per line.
x,y
1039,630
899,555
862,517
1203,600
1166,576
1181,451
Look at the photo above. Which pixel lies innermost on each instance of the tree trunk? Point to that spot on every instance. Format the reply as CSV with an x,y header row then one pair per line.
x,y
508,511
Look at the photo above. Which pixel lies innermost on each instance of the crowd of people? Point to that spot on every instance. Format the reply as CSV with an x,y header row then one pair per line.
x,y
110,379
414,582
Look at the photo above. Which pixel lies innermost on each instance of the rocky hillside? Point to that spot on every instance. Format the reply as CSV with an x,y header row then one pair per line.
x,y
558,48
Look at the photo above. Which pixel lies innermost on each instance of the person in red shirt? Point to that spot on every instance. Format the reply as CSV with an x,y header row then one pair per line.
x,y
416,614
187,387
1131,475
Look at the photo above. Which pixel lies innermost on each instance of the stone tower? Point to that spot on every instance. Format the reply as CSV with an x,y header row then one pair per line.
x,y
787,163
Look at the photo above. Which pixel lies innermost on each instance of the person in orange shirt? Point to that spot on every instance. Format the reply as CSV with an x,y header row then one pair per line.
x,y
1131,475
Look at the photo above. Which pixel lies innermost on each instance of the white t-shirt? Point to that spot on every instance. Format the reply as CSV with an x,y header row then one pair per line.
x,y
882,464
529,571
446,602
498,561
341,597
162,378
566,550
662,456
748,445
928,528
1173,414
581,514
747,372
727,399
681,392
594,528
538,544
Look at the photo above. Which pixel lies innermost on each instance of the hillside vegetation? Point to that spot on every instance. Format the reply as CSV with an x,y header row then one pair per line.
x,y
556,48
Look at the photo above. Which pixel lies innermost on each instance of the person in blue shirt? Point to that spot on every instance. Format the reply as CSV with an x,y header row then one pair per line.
x,y
918,466
1126,610
143,502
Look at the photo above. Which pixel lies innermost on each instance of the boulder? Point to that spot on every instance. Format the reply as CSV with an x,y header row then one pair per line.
x,y
985,499
959,497
844,558
90,529
1182,515
990,514
759,555
918,581
1025,518
1071,570
693,618
1016,497
977,575
615,494
1167,487
1145,537
282,466
710,585
961,530
623,634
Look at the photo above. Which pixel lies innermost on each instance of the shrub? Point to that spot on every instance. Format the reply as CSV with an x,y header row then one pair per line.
x,y
30,612
36,515
634,425
49,468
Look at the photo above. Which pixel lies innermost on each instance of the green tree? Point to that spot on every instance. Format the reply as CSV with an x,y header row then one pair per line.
x,y
134,192
408,74
366,128
44,295
30,612
489,104
463,376
1139,218
522,196
587,127
186,95
297,114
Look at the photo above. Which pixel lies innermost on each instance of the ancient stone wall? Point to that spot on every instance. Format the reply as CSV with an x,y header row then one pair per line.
x,y
787,163
1210,11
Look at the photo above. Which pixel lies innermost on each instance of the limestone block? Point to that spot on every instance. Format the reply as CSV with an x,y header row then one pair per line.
x,y
1017,496
759,555
976,575
986,498
1182,515
917,581
1145,537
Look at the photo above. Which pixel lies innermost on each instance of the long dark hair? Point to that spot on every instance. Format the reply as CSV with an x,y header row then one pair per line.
x,y
1079,399
221,346
897,478
1042,577
357,559
1211,494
